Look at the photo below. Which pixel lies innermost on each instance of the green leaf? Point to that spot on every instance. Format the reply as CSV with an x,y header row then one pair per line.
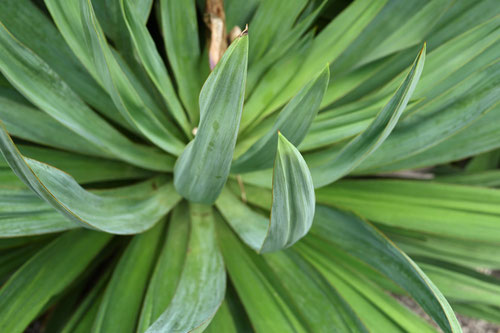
x,y
367,142
44,88
202,169
121,303
82,318
362,240
180,32
292,208
293,121
320,305
144,115
152,62
37,32
46,275
371,303
168,268
253,281
23,213
444,210
293,199
202,284
125,213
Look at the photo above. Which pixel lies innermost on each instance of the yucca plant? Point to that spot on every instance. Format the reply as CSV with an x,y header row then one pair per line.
x,y
168,170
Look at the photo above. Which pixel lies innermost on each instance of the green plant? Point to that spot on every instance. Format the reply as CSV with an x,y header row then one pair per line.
x,y
111,222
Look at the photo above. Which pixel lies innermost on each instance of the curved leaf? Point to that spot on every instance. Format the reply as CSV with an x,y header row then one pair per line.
x,y
126,213
293,206
293,121
202,284
202,169
368,141
360,239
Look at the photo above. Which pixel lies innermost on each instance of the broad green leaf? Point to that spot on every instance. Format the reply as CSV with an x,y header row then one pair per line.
x,y
144,115
281,46
121,303
124,213
320,305
370,302
327,46
44,88
293,121
367,142
37,32
257,286
293,205
223,321
23,213
467,253
202,169
202,284
486,161
488,178
267,25
12,259
152,62
168,269
45,275
362,240
27,123
438,209
85,169
180,32
481,311
462,284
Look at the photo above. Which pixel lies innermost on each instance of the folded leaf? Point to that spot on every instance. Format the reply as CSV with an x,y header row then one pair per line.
x,y
293,121
46,275
202,284
359,238
368,141
293,204
202,169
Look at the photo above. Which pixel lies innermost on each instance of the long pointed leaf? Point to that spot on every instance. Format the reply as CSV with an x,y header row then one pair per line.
x,y
367,142
293,121
202,169
362,240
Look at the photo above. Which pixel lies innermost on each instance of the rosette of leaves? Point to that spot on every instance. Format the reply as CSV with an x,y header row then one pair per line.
x,y
164,171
